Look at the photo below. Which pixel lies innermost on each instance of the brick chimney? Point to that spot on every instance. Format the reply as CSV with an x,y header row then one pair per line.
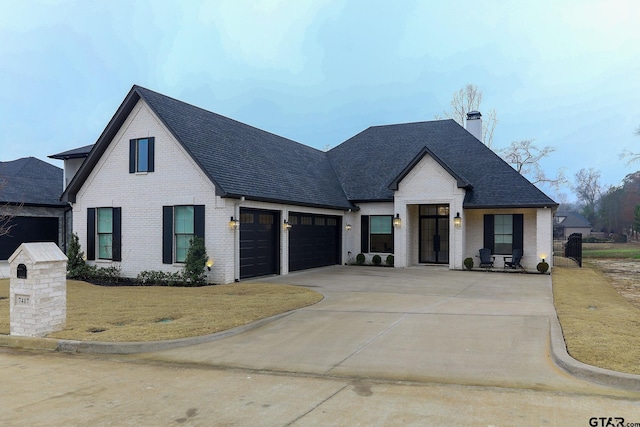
x,y
474,124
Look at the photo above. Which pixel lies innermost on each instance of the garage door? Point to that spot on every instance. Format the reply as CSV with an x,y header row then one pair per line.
x,y
314,240
27,229
259,243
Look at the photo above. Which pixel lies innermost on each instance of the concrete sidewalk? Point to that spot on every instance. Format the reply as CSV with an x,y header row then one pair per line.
x,y
423,324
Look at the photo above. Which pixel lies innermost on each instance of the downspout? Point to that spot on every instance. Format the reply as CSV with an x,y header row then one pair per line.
x,y
65,230
236,239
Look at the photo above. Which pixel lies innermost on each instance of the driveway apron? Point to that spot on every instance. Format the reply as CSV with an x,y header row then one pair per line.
x,y
413,324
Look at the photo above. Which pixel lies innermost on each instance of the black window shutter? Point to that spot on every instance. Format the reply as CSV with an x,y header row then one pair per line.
x,y
488,233
116,248
151,152
132,156
364,237
198,221
91,233
167,234
518,231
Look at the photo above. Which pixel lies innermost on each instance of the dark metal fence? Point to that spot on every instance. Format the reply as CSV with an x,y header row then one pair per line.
x,y
568,253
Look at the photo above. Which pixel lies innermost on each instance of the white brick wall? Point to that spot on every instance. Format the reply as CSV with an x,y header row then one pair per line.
x,y
427,183
538,235
177,180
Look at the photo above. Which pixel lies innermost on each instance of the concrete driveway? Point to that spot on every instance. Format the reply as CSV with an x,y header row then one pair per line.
x,y
414,324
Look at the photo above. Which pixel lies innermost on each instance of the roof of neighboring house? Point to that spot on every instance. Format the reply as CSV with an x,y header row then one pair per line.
x,y
30,181
76,153
242,160
371,164
569,219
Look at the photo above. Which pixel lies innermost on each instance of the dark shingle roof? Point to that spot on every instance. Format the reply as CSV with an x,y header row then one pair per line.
x,y
371,162
246,161
571,220
30,181
76,153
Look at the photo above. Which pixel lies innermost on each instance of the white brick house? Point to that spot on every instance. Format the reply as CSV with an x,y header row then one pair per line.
x,y
163,171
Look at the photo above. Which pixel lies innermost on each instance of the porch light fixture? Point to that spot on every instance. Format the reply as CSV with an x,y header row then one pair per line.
x,y
347,227
209,264
397,222
234,224
286,225
457,221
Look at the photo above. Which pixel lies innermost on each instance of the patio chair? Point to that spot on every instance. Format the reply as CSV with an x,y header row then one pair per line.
x,y
486,259
515,259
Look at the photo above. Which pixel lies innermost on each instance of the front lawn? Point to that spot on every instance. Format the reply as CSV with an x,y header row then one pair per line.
x,y
600,327
150,313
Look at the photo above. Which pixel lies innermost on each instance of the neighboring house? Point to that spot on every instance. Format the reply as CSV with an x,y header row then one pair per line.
x,y
566,223
163,171
30,198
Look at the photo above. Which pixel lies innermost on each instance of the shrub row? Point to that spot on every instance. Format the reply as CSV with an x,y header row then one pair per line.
x,y
375,260
191,275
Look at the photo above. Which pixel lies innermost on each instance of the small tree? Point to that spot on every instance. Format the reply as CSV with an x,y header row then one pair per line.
x,y
195,263
76,265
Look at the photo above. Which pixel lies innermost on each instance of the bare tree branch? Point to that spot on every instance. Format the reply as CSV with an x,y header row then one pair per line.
x,y
467,99
525,159
5,217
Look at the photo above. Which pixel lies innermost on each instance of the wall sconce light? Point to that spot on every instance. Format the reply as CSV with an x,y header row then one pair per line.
x,y
286,225
347,227
209,264
234,224
397,222
457,221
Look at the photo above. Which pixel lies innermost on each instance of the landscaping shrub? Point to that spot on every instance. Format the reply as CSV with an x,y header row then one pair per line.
x,y
542,267
195,263
389,261
376,260
360,259
160,278
468,263
76,265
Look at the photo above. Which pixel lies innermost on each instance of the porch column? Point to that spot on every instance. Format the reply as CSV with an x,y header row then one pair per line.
x,y
544,235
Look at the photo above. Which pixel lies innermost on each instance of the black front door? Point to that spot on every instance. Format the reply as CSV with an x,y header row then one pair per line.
x,y
434,234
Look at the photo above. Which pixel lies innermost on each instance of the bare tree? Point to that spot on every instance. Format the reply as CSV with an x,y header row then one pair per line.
x,y
5,216
467,99
630,155
588,189
525,158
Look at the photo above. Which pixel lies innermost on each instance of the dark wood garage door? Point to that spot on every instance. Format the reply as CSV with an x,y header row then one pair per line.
x,y
314,240
27,229
259,243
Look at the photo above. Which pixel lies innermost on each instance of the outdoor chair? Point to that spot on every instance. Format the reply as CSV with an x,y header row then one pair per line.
x,y
515,259
486,259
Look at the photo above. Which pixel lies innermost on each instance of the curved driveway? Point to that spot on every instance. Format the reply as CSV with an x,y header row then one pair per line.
x,y
413,324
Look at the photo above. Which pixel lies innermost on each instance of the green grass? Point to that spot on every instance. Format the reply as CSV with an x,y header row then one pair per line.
x,y
611,250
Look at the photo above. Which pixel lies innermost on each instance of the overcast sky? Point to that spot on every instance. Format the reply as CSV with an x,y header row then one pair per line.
x,y
566,73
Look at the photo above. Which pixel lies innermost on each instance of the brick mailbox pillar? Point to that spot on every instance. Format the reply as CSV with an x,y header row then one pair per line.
x,y
38,290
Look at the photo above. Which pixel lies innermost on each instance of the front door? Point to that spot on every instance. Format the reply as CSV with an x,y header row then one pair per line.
x,y
434,234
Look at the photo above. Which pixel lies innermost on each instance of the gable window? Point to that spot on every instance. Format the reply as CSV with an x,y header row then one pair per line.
x,y
503,233
141,155
179,225
377,233
104,233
